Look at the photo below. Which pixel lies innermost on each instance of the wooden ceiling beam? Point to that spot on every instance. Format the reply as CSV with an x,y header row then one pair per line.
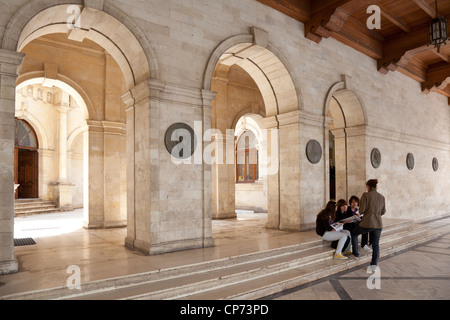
x,y
333,17
395,20
438,78
415,69
441,55
357,36
422,4
400,50
299,9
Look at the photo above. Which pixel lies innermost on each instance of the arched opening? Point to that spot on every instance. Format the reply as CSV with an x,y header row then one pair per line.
x,y
26,162
95,54
251,82
346,165
251,183
59,115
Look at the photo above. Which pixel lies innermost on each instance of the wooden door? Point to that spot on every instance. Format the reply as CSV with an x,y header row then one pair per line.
x,y
28,173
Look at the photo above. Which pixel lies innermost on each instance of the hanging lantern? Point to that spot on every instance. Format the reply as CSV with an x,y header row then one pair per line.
x,y
438,31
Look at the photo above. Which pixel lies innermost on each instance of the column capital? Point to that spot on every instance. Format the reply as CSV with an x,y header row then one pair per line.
x,y
207,97
271,122
144,90
10,62
62,108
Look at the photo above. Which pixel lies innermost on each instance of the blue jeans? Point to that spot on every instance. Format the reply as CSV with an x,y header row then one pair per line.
x,y
374,236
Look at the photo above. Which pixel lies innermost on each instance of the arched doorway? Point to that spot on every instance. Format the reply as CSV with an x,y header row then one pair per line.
x,y
58,113
346,140
276,99
26,162
123,42
92,27
251,183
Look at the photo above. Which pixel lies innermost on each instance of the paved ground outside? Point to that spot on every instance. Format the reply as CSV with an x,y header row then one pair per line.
x,y
420,273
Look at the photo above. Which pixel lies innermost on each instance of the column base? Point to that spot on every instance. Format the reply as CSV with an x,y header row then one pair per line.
x,y
8,267
173,246
225,215
105,225
62,195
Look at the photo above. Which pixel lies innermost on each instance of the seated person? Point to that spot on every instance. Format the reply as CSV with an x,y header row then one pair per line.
x,y
324,228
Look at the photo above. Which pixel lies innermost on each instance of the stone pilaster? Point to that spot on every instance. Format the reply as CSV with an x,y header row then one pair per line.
x,y
104,154
289,175
10,63
63,188
208,241
143,165
271,172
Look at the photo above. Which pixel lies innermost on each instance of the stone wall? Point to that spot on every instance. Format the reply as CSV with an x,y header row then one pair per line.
x,y
169,204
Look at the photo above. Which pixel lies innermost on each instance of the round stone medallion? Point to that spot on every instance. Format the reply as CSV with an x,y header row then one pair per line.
x,y
177,139
435,164
375,158
410,161
314,151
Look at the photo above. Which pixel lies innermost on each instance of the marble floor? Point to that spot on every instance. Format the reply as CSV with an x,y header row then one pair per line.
x,y
100,254
421,273
62,242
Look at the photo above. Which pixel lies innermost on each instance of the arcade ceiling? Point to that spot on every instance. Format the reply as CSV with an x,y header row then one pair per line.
x,y
400,45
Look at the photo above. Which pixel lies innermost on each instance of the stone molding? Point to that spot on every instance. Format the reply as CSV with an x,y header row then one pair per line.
x,y
391,135
107,127
168,92
10,62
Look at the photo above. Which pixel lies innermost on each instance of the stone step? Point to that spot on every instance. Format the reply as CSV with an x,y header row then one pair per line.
x,y
33,204
23,207
207,279
36,211
34,207
27,200
320,258
276,282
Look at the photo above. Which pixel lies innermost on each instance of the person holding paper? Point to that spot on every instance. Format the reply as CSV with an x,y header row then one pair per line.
x,y
348,213
372,207
331,231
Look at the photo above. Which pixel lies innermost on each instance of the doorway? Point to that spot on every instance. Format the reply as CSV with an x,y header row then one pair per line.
x,y
346,159
26,161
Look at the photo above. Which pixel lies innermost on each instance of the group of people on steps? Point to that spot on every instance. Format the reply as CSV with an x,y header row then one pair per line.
x,y
352,222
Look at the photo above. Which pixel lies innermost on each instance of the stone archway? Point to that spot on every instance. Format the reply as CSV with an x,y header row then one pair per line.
x,y
105,25
346,119
282,101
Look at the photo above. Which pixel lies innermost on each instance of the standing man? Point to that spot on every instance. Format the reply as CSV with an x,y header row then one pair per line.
x,y
372,206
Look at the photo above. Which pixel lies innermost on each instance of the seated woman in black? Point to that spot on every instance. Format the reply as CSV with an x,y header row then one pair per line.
x,y
345,211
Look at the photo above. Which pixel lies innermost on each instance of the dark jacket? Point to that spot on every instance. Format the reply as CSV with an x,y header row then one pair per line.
x,y
323,224
346,214
372,206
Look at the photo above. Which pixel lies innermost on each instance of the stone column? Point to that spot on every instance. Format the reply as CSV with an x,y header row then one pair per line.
x,y
103,176
93,186
223,174
113,165
357,160
130,149
290,179
223,178
271,172
340,145
208,241
63,188
326,140
10,63
143,141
